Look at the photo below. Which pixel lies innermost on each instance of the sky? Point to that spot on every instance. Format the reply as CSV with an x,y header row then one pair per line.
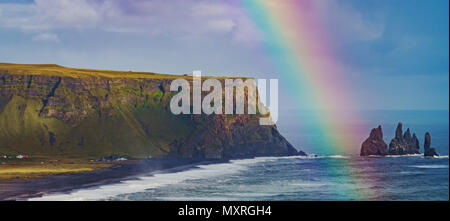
x,y
395,54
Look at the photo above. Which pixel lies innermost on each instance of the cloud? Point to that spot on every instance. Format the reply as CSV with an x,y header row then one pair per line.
x,y
47,37
180,18
208,9
223,25
152,17
20,16
349,23
68,13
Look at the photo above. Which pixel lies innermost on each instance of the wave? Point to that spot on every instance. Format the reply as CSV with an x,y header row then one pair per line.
x,y
337,156
429,166
406,155
443,156
315,156
157,179
154,180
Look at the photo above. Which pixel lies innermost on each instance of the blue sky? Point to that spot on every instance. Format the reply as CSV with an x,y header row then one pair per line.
x,y
396,53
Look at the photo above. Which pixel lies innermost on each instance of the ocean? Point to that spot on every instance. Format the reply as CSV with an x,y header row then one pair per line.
x,y
321,176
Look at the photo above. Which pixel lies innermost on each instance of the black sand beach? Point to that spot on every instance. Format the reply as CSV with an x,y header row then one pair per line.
x,y
21,189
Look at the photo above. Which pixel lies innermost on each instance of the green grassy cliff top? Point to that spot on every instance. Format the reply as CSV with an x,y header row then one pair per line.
x,y
57,70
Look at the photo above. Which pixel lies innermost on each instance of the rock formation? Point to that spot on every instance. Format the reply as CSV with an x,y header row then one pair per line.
x,y
403,144
428,150
374,145
49,109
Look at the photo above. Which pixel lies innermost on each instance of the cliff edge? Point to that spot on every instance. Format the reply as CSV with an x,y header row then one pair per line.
x,y
54,110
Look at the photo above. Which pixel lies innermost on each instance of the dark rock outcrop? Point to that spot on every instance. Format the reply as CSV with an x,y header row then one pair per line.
x,y
415,143
374,145
428,150
403,144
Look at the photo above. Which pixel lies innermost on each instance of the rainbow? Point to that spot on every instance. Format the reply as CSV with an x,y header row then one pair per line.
x,y
297,42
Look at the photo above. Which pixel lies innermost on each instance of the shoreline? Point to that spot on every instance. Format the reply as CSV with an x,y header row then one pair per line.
x,y
23,189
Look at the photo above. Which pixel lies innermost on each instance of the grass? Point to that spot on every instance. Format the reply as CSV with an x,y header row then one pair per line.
x,y
36,171
46,166
57,70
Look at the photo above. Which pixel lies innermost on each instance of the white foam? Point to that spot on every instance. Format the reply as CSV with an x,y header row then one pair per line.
x,y
444,156
146,182
155,180
337,156
430,166
313,156
406,155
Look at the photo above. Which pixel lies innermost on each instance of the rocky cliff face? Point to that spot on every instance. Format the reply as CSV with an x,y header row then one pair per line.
x,y
405,144
56,110
428,150
374,145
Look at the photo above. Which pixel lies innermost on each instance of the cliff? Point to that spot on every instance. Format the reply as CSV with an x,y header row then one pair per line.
x,y
54,110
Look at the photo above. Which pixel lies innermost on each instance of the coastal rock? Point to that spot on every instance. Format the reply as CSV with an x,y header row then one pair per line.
x,y
415,143
374,145
402,145
428,150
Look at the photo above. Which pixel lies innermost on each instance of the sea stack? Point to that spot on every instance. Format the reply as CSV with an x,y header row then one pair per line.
x,y
403,144
428,150
374,145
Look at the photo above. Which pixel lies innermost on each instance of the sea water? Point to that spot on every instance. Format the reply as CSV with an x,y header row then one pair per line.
x,y
319,176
